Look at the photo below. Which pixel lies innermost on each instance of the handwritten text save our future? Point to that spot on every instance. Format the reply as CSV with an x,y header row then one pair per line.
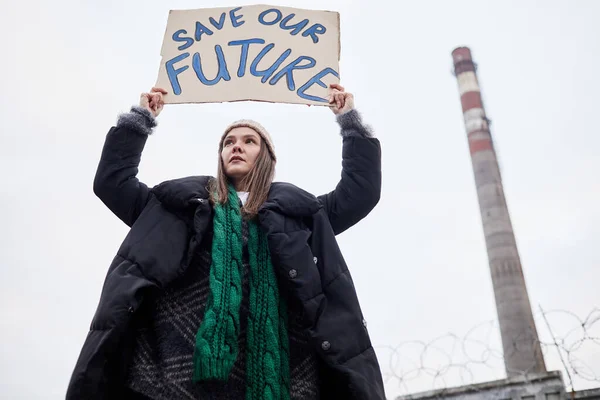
x,y
268,17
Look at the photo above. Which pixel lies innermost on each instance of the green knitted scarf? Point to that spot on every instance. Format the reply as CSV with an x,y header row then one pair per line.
x,y
267,352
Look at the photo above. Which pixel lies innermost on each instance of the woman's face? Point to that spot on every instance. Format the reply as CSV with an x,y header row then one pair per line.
x,y
241,147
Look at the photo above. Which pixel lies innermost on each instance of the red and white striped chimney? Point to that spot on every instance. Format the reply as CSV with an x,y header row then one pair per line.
x,y
522,350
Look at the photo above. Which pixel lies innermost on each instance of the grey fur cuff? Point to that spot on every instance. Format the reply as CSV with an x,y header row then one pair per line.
x,y
352,125
139,119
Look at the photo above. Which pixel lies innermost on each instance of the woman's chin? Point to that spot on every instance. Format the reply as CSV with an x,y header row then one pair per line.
x,y
236,171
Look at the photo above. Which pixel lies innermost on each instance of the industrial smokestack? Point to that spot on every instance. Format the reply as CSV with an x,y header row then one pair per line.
x,y
522,351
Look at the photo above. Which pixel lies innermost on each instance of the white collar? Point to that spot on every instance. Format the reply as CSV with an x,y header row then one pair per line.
x,y
243,197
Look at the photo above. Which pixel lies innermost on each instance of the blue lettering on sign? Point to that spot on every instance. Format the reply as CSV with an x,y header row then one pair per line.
x,y
296,27
222,74
266,74
218,25
313,31
262,15
172,72
177,38
244,56
200,29
234,18
289,69
269,17
316,79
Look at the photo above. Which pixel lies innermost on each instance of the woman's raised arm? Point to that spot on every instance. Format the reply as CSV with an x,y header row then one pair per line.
x,y
116,182
359,188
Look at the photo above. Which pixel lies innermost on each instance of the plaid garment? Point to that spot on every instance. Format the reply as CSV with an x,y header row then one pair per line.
x,y
161,367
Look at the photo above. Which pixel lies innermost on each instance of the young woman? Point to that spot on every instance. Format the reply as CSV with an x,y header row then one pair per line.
x,y
231,287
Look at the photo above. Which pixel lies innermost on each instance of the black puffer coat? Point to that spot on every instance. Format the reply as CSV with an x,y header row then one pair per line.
x,y
169,220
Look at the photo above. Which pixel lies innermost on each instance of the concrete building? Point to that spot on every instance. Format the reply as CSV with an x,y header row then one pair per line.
x,y
544,386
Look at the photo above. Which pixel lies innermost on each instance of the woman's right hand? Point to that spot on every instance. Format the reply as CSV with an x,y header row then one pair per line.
x,y
153,101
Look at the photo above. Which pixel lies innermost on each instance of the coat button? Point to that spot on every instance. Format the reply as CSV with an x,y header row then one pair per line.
x,y
201,201
325,345
364,321
130,309
315,260
293,273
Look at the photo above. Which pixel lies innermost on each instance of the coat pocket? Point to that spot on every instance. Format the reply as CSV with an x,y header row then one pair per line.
x,y
121,295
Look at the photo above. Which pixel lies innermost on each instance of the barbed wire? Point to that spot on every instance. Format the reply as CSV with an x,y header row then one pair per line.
x,y
568,343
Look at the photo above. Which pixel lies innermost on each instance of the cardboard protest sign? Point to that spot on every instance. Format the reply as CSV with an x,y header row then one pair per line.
x,y
260,52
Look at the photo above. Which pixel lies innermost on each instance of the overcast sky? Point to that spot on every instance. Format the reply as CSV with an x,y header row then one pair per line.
x,y
418,260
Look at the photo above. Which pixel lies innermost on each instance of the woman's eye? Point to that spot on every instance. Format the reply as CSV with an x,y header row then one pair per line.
x,y
249,140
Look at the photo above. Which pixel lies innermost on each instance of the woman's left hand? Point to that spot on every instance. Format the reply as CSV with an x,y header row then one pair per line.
x,y
340,101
